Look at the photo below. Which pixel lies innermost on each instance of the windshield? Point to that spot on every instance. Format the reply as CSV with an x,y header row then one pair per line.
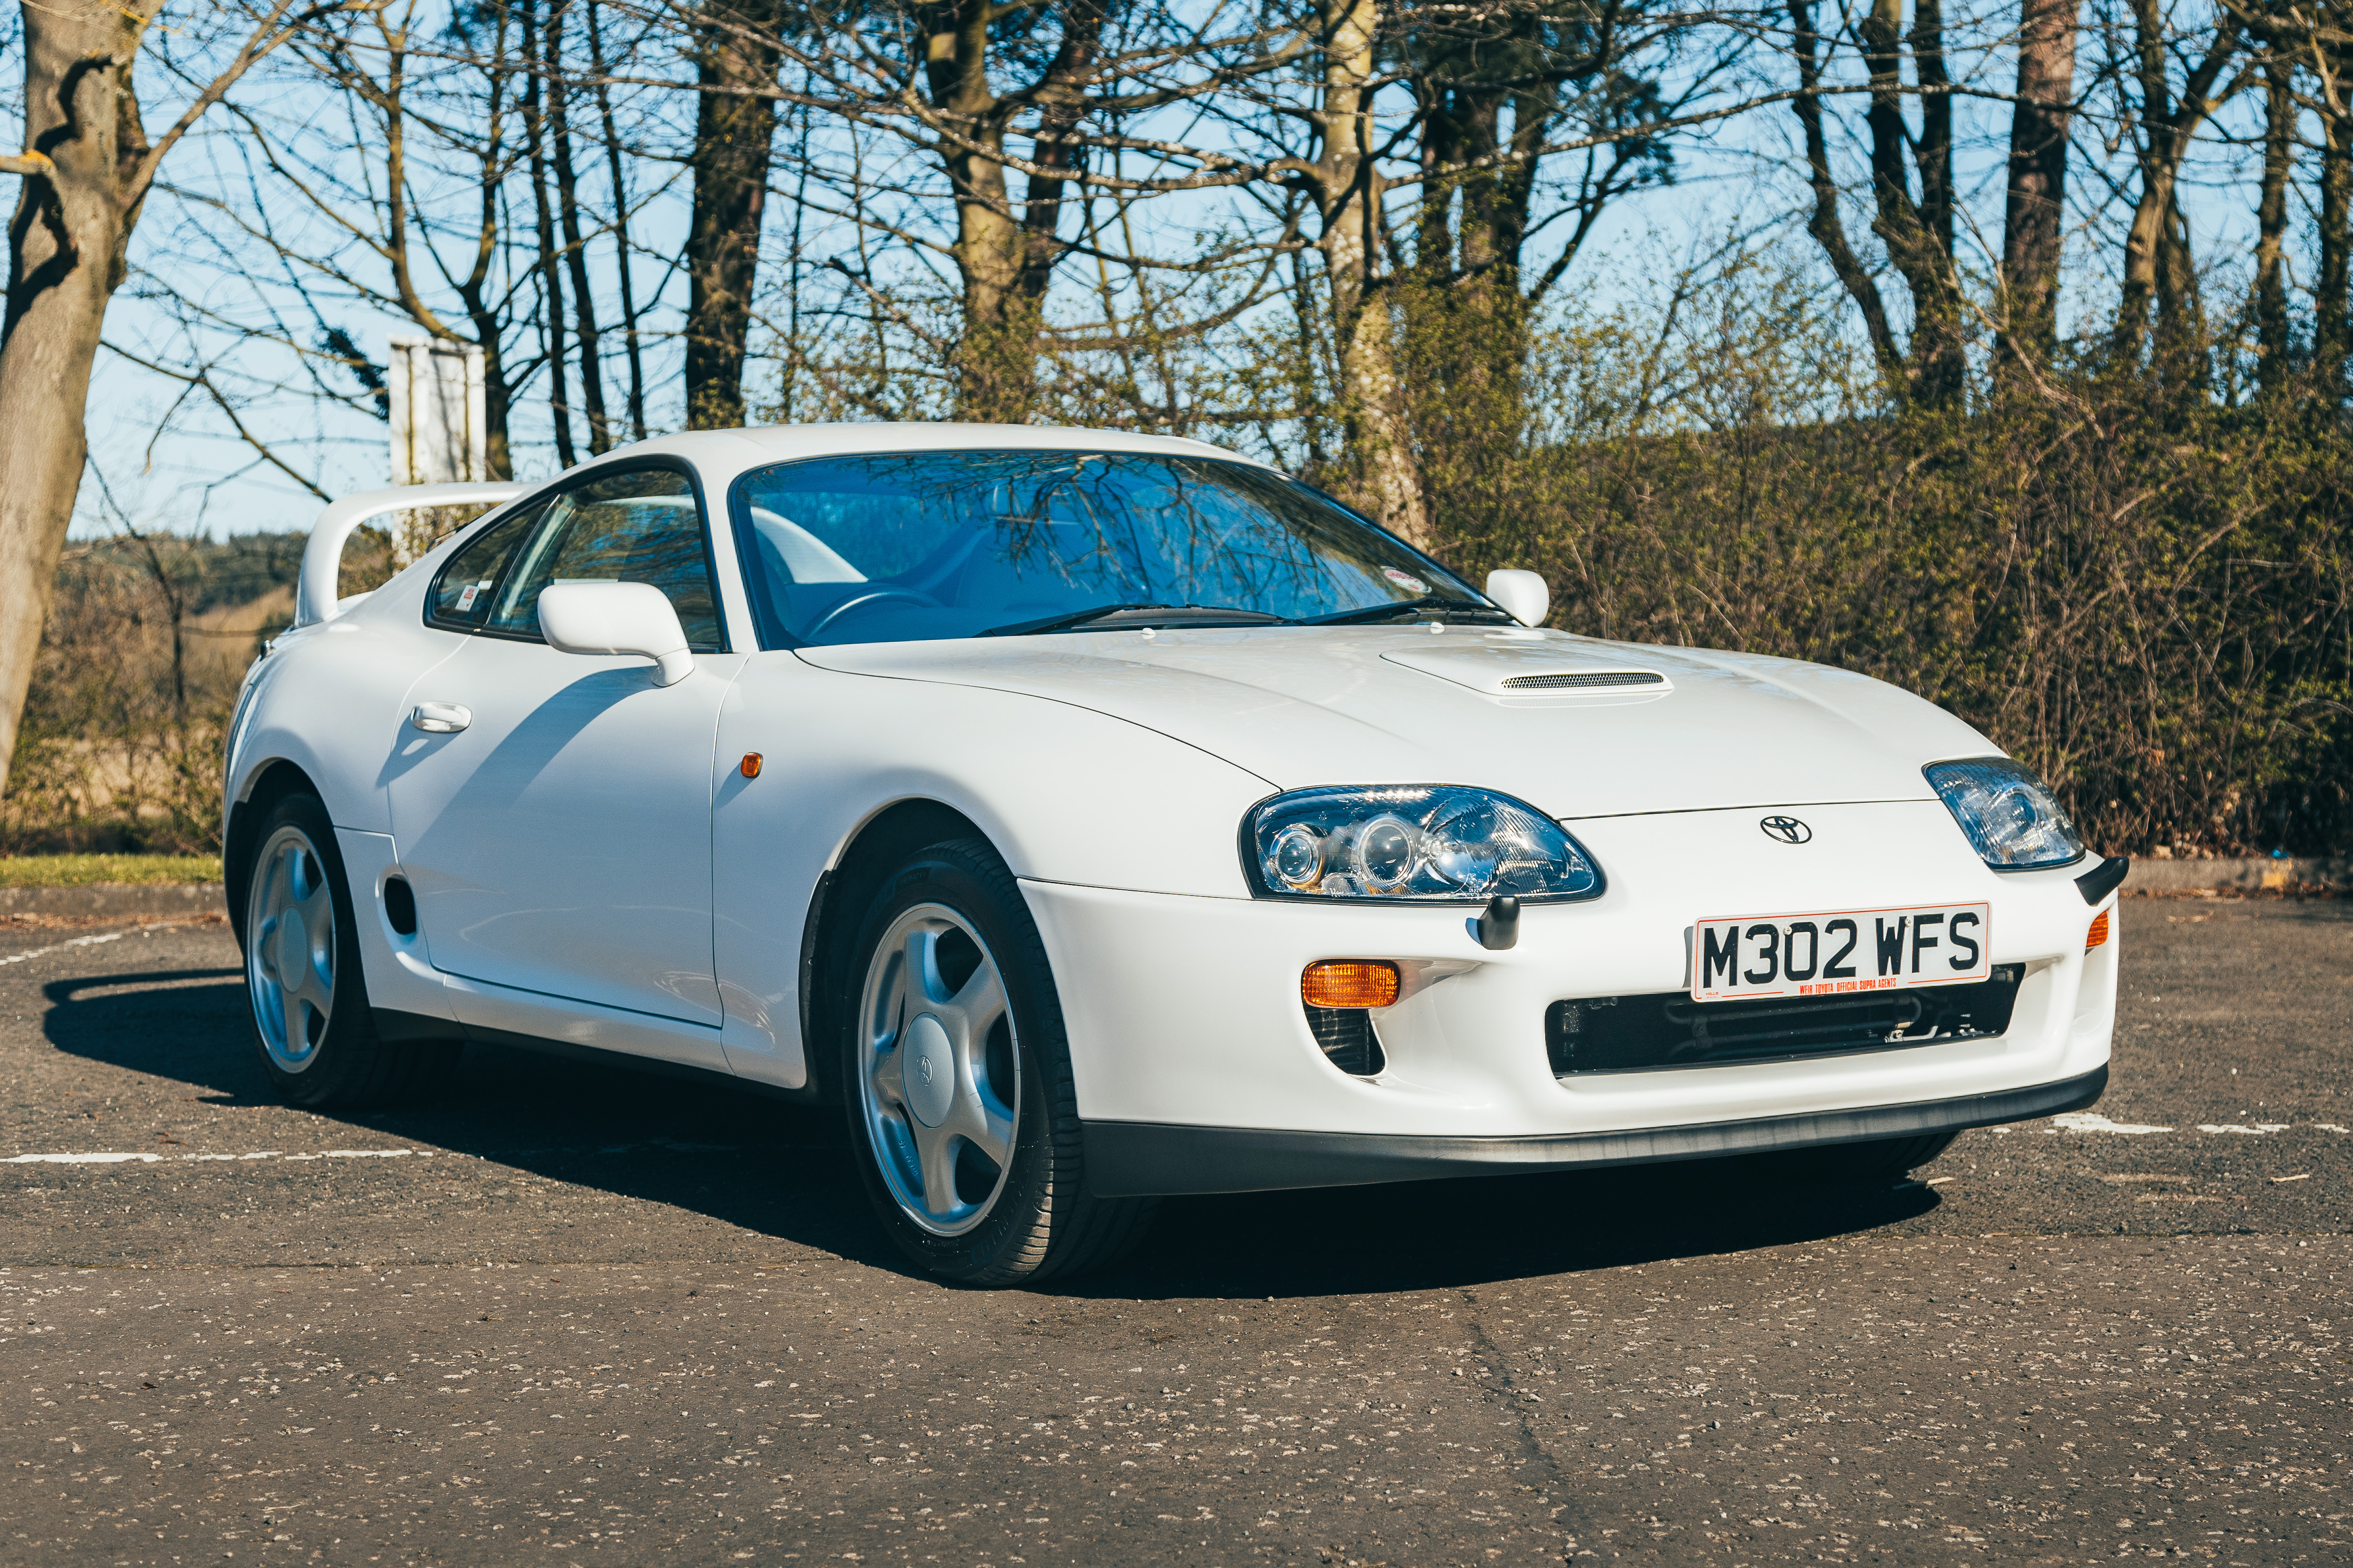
x,y
911,546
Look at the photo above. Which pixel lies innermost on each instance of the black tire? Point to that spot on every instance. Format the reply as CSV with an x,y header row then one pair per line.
x,y
332,1058
1038,1220
1881,1159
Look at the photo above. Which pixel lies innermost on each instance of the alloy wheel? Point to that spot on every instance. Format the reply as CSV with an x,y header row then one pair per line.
x,y
939,1078
290,963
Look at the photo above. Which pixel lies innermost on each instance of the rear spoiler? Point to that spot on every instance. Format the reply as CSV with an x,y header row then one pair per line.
x,y
323,558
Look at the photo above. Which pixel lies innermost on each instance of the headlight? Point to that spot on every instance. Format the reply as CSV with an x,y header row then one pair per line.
x,y
2011,817
1412,844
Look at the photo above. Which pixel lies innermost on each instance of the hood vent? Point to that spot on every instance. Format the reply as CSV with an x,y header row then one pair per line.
x,y
1585,680
1532,667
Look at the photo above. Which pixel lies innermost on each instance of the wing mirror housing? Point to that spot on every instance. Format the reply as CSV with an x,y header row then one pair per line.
x,y
1526,595
616,617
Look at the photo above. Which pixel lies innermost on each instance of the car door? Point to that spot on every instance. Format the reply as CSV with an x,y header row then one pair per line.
x,y
552,810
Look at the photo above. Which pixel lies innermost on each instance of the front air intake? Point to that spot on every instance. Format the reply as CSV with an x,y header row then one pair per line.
x,y
1585,680
1346,1036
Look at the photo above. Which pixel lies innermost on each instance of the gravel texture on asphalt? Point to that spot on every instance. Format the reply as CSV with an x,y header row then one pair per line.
x,y
569,1313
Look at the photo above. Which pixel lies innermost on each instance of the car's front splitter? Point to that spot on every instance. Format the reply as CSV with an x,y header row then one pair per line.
x,y
1136,1159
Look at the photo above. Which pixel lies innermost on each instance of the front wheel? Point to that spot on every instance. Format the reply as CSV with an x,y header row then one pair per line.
x,y
311,1016
956,1079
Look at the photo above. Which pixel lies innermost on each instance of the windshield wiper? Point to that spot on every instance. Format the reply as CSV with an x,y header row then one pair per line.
x,y
1117,618
1406,607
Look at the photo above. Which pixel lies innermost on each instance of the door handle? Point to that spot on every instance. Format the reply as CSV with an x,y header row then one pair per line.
x,y
441,718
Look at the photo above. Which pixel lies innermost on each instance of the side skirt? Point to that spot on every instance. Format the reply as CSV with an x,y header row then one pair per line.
x,y
1136,1159
391,1025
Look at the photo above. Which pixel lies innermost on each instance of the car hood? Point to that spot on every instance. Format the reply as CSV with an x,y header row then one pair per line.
x,y
1576,726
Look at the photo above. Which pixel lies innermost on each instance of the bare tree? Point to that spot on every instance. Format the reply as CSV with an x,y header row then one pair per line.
x,y
736,49
2158,271
2035,211
86,168
2271,307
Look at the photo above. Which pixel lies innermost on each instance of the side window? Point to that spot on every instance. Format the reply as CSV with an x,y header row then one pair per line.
x,y
643,527
460,600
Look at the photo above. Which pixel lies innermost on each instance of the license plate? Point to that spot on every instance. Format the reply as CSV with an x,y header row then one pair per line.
x,y
1848,950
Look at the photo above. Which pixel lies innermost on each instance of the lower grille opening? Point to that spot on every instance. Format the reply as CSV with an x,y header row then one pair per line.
x,y
1668,1030
1345,1036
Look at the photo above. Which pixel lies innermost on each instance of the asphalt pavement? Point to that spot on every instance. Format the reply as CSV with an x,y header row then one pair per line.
x,y
574,1314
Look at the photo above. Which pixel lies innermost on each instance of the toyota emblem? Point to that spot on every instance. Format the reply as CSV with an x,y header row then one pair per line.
x,y
1785,830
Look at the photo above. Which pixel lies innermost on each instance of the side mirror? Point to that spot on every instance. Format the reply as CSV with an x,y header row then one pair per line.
x,y
616,617
1525,595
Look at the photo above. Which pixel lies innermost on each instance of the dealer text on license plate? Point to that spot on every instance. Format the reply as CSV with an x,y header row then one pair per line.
x,y
1849,949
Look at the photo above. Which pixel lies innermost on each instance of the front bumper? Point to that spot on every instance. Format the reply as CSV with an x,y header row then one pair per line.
x,y
1196,1069
1135,1158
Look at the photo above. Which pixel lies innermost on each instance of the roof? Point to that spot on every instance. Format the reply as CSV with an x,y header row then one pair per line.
x,y
782,443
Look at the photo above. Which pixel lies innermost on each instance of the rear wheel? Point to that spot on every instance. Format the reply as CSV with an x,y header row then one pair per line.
x,y
956,1079
310,1016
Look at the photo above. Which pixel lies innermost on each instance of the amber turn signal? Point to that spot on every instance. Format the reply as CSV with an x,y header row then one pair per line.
x,y
2098,934
1349,983
750,766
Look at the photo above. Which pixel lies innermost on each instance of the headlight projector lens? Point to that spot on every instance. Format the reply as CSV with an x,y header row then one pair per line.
x,y
1413,844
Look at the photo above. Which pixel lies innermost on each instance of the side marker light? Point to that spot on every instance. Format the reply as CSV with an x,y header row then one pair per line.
x,y
1349,983
750,766
2098,934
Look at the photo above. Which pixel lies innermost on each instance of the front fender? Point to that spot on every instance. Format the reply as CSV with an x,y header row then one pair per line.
x,y
1066,794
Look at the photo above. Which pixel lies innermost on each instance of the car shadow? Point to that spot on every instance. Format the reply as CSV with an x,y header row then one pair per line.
x,y
781,1170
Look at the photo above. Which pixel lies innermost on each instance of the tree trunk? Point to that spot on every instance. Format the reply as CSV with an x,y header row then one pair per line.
x,y
2183,358
996,343
620,228
733,130
1055,146
1387,480
1003,262
1935,151
2271,225
1824,223
551,274
1936,369
2332,330
576,247
2166,126
65,258
484,310
2034,217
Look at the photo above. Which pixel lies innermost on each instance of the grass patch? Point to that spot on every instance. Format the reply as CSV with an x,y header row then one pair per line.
x,y
89,871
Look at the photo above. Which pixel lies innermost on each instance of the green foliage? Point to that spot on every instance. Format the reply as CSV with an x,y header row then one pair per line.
x,y
2143,597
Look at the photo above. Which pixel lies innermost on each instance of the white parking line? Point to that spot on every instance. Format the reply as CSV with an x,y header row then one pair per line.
x,y
90,941
61,946
144,1157
2092,1121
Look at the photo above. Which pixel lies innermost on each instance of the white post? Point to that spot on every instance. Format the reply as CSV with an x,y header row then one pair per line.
x,y
437,435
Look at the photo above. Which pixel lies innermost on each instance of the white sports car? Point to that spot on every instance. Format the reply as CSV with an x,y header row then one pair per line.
x,y
1095,818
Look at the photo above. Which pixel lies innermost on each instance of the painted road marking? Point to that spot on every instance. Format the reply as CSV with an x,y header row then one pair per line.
x,y
91,942
2092,1121
143,1157
61,946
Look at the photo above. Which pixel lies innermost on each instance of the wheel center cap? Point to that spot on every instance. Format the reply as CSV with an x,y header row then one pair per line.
x,y
293,948
930,1064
